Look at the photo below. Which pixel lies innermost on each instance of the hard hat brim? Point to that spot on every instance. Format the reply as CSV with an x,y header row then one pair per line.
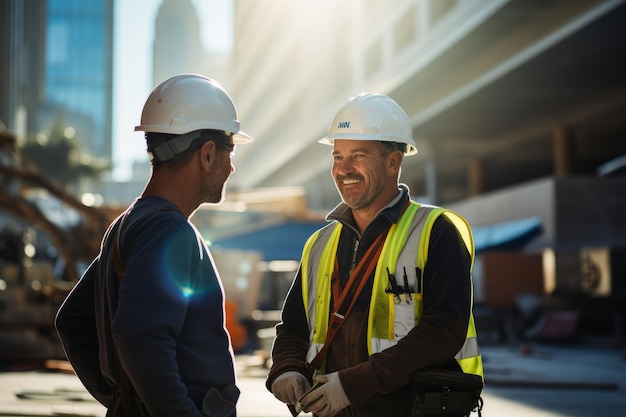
x,y
241,138
328,140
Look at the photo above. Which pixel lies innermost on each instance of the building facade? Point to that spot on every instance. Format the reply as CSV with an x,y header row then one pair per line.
x,y
503,95
22,77
79,72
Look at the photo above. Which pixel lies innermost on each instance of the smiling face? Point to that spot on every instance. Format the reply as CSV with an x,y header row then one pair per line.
x,y
365,173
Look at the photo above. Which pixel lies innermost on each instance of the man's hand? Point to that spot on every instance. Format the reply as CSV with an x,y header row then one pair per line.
x,y
290,386
327,399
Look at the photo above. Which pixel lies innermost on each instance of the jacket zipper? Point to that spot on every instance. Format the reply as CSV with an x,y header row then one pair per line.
x,y
354,252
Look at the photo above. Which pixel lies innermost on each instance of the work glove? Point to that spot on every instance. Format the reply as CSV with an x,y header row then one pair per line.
x,y
327,399
290,386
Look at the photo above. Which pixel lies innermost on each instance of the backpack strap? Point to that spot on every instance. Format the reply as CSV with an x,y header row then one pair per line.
x,y
118,263
131,403
117,258
346,299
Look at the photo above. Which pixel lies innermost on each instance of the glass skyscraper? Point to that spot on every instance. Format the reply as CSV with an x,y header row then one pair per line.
x,y
79,71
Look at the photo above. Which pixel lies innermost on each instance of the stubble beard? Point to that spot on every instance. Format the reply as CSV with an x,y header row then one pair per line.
x,y
213,192
357,201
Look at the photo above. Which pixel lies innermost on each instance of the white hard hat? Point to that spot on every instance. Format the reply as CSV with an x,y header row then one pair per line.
x,y
191,102
372,117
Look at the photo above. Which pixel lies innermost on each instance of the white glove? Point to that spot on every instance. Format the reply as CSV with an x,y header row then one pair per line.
x,y
290,386
327,399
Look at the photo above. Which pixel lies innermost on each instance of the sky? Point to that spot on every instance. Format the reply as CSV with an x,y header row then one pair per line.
x,y
132,68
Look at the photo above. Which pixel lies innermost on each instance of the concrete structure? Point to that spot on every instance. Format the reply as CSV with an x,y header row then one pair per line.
x,y
499,92
517,109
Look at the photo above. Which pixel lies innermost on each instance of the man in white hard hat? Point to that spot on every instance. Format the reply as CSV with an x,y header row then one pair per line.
x,y
144,326
383,291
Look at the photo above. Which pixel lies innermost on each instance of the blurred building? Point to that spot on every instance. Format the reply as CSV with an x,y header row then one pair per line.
x,y
79,72
499,92
58,70
56,77
178,45
517,110
22,79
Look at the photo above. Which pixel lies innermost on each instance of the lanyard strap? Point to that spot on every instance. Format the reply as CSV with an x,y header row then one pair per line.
x,y
350,293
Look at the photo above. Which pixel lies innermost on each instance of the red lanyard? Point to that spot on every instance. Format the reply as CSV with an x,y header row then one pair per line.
x,y
350,293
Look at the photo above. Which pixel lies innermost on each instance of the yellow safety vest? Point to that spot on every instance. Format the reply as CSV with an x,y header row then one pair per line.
x,y
388,321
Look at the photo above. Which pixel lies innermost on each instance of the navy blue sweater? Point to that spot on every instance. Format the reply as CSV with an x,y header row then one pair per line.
x,y
161,325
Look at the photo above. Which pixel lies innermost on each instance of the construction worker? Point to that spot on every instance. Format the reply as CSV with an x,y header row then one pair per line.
x,y
383,291
144,326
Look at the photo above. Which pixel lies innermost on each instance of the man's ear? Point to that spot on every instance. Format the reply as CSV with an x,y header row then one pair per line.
x,y
394,161
207,154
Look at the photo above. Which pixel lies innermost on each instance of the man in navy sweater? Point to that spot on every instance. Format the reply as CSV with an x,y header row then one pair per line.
x,y
144,326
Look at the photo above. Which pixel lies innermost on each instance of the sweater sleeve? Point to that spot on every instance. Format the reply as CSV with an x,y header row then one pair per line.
x,y
442,328
75,325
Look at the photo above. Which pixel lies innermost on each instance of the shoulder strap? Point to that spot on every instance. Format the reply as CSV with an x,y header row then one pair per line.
x,y
118,263
348,297
131,403
117,258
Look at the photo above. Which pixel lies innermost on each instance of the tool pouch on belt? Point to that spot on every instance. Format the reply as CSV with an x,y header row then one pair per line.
x,y
443,392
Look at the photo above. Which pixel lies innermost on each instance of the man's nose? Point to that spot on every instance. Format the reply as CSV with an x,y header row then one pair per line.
x,y
345,166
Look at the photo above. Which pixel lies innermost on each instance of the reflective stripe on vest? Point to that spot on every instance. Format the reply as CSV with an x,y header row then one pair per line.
x,y
388,321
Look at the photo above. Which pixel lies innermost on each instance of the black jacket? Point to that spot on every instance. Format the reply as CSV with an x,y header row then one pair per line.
x,y
377,384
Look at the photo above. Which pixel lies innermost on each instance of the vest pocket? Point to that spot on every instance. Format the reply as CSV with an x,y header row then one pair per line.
x,y
405,317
